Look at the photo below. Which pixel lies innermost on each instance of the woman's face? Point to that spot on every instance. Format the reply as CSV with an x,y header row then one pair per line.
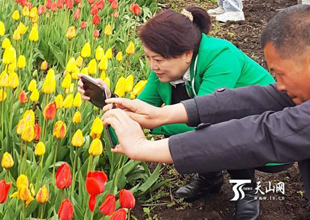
x,y
168,69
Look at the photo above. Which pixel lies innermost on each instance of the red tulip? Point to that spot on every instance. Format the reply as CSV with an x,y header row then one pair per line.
x,y
69,4
77,1
91,2
4,189
119,215
110,1
135,9
108,206
83,24
60,4
37,131
114,4
115,14
49,4
126,199
94,10
100,4
77,14
63,176
95,185
65,211
96,33
50,110
96,20
54,7
41,10
22,97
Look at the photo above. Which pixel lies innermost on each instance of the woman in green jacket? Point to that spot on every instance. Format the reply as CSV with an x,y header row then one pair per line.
x,y
185,62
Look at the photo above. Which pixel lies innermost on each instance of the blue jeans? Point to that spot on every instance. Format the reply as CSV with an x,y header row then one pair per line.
x,y
231,5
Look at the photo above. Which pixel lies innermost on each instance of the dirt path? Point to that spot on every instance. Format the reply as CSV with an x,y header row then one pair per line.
x,y
245,35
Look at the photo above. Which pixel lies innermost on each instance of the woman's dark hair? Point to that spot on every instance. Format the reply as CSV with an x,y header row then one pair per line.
x,y
170,33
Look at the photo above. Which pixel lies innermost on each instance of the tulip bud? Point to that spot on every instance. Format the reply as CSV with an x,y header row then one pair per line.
x,y
34,34
4,190
60,129
22,28
77,102
21,63
50,110
131,48
103,64
95,148
22,97
66,83
15,15
114,4
21,126
71,33
96,19
63,176
119,215
35,95
120,87
44,65
6,43
139,87
77,139
65,211
16,35
59,101
76,117
28,134
68,101
37,131
99,53
7,160
24,193
40,149
3,95
108,206
32,85
109,53
4,79
29,117
129,83
79,61
2,29
135,9
126,199
92,67
42,195
22,179
25,11
96,128
86,50
119,56
13,80
108,30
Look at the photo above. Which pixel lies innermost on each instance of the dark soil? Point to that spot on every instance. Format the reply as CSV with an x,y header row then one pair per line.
x,y
245,35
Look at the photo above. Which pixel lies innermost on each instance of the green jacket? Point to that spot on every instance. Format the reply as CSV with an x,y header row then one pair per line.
x,y
219,64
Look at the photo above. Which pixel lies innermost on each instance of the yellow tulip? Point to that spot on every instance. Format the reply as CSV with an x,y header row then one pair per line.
x,y
131,48
59,101
99,53
71,65
21,63
24,193
28,134
108,82
25,11
132,96
34,34
12,66
6,43
9,55
109,53
96,128
68,101
84,71
139,87
49,84
21,126
13,80
16,35
108,30
42,195
32,190
29,117
120,87
77,139
4,79
119,56
33,12
2,29
40,149
34,96
79,61
2,95
92,67
71,32
95,148
22,28
129,83
103,64
7,160
77,102
35,19
75,72
15,15
32,85
60,129
66,83
77,118
44,65
103,75
86,50
22,180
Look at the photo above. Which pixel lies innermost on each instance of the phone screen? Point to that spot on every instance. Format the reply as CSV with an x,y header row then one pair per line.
x,y
94,91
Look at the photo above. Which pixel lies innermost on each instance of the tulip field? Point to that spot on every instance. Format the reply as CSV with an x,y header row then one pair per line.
x,y
56,161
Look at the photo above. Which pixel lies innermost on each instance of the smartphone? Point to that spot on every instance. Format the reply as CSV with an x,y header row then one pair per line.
x,y
97,96
94,91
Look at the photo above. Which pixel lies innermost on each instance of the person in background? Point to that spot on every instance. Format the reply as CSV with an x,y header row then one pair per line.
x,y
228,10
185,63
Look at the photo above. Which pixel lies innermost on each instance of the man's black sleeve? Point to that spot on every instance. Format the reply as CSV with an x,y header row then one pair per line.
x,y
227,104
251,141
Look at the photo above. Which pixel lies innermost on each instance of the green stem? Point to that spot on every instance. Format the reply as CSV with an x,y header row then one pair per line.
x,y
42,211
118,170
90,163
73,174
128,214
24,210
55,156
92,216
103,217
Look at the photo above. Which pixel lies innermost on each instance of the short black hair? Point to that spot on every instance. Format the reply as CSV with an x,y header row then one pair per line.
x,y
289,31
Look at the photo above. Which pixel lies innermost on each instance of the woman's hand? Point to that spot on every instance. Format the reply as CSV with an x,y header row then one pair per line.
x,y
99,81
146,115
130,135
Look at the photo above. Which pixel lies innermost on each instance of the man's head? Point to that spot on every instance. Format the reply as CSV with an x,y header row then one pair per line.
x,y
286,43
